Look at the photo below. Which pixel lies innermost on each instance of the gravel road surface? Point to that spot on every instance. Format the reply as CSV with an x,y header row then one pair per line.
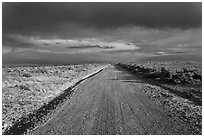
x,y
108,103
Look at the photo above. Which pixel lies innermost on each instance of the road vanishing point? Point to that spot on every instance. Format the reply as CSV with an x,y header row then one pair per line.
x,y
109,103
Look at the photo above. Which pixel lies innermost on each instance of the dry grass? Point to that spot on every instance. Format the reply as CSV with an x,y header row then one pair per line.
x,y
169,72
177,86
25,89
178,107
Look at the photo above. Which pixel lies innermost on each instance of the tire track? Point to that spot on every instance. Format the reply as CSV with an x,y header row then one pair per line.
x,y
106,104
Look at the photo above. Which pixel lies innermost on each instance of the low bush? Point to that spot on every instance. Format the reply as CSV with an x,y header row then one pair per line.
x,y
177,76
197,76
41,70
27,75
23,87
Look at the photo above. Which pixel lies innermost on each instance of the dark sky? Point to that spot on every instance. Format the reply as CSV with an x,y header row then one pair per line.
x,y
23,24
41,17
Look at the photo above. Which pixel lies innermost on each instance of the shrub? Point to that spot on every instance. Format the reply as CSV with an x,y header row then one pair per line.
x,y
41,70
177,76
153,75
197,76
177,81
27,75
23,87
165,74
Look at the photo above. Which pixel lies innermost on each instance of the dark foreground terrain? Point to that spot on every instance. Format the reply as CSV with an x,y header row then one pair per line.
x,y
116,102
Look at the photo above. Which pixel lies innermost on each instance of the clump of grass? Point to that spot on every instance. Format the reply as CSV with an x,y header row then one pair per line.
x,y
23,87
26,74
41,70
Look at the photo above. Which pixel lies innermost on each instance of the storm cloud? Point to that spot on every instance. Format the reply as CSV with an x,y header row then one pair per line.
x,y
46,17
98,31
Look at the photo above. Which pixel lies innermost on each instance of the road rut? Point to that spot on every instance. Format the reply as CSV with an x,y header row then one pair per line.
x,y
108,103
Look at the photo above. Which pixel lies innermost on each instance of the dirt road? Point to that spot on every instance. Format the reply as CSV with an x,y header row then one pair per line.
x,y
109,103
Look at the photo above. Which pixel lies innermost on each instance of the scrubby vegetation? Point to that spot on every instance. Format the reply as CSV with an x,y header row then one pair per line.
x,y
26,89
27,75
178,108
181,78
177,86
166,73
